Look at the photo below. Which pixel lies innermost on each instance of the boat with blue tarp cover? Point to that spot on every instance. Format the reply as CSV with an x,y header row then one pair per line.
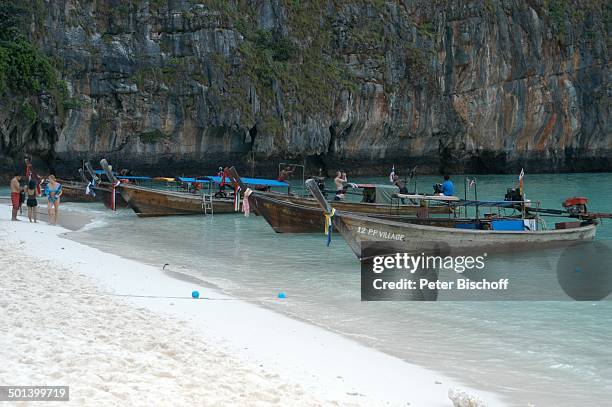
x,y
183,195
252,182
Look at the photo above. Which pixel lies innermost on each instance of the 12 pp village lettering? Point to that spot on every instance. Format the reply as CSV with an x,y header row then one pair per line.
x,y
380,233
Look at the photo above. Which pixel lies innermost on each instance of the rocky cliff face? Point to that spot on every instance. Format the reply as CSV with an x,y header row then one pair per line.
x,y
186,85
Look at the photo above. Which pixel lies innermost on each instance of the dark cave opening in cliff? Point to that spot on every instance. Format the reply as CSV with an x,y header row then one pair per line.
x,y
252,135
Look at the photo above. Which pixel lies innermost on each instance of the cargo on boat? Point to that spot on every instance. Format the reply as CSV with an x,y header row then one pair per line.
x,y
451,236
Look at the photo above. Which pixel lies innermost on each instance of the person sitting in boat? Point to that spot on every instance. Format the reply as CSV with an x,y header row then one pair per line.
x,y
285,173
448,188
422,211
400,184
340,180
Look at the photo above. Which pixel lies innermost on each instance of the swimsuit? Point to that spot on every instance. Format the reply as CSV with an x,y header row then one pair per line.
x,y
48,192
32,202
15,200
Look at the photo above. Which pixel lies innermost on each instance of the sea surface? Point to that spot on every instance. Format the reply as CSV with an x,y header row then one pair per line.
x,y
548,353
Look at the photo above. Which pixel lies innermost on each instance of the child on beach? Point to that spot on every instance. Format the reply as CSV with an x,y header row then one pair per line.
x,y
53,190
32,202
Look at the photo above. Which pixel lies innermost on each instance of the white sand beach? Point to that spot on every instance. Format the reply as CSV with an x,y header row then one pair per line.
x,y
64,320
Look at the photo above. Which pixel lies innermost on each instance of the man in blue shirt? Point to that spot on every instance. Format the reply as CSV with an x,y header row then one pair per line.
x,y
448,189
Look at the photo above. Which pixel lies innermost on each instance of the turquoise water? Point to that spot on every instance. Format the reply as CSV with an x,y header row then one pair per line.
x,y
546,353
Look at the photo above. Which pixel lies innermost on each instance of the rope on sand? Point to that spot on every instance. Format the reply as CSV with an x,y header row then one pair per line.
x,y
149,296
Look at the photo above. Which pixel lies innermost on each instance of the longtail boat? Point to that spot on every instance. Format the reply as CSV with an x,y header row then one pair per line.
x,y
452,236
74,191
294,214
153,202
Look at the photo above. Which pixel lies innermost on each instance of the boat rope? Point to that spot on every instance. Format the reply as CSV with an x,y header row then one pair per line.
x,y
103,294
329,225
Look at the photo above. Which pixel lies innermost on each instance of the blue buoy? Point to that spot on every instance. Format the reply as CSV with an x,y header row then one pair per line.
x,y
195,294
282,295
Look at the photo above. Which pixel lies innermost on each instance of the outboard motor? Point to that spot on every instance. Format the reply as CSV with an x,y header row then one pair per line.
x,y
576,205
437,188
321,184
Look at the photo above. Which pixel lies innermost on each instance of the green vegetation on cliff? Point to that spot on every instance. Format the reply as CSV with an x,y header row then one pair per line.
x,y
23,68
26,72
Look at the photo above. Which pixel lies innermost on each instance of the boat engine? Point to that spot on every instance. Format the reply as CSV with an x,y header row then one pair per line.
x,y
437,188
513,194
321,184
576,205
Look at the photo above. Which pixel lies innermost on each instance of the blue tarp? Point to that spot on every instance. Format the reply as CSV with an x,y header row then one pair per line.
x,y
192,180
216,179
466,226
256,181
508,225
249,181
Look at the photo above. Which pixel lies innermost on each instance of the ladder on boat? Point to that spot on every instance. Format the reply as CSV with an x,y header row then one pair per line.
x,y
207,204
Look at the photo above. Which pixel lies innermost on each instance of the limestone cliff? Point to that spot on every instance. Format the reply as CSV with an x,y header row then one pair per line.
x,y
184,85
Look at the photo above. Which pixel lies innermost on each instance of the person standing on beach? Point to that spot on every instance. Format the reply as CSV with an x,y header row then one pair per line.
x,y
15,195
53,190
32,202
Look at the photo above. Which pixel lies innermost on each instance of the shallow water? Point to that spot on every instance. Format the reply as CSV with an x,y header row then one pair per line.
x,y
546,353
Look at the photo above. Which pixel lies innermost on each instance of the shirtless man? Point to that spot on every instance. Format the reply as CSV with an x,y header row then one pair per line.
x,y
15,195
284,174
339,181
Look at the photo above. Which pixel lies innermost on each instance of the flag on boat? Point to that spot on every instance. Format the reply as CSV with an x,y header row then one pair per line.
x,y
89,189
392,174
520,179
329,225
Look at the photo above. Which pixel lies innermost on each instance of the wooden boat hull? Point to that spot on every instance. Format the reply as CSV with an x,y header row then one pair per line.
x,y
75,192
290,214
149,202
104,193
286,217
394,236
